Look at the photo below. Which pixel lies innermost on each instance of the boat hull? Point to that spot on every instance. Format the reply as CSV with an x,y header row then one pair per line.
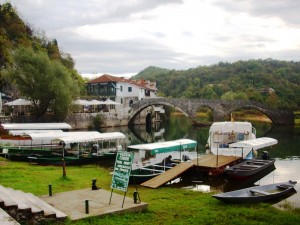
x,y
70,160
248,168
255,194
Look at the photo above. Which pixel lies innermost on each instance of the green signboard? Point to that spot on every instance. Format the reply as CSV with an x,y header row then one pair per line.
x,y
122,171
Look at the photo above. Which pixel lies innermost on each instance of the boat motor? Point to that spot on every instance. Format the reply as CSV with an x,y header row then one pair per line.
x,y
265,155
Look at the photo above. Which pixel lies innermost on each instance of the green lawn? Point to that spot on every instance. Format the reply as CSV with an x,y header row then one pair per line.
x,y
167,205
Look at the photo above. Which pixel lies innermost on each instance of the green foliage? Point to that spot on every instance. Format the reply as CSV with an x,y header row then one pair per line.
x,y
239,80
47,83
166,205
15,34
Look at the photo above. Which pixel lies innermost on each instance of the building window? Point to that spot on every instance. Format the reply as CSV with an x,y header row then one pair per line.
x,y
121,88
121,100
129,89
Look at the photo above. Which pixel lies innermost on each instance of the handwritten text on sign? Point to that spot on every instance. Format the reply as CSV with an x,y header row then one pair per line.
x,y
122,171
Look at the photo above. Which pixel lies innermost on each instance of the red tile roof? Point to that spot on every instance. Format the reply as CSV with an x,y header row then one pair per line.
x,y
109,78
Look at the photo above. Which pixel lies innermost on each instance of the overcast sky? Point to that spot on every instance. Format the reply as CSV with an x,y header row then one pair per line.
x,y
121,37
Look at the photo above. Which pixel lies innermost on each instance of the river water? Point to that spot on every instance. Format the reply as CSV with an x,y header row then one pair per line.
x,y
286,152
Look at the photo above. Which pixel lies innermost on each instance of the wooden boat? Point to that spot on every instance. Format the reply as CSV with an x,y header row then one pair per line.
x,y
71,160
166,146
234,184
143,173
263,193
74,147
16,134
221,134
236,139
248,168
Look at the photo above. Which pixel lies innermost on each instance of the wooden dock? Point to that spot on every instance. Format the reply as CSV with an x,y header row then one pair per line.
x,y
168,175
210,164
215,165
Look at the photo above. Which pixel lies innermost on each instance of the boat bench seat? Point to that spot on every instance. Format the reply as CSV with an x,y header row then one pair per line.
x,y
167,167
283,186
253,191
154,170
250,166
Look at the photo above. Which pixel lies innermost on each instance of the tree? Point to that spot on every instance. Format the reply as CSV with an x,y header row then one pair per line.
x,y
47,83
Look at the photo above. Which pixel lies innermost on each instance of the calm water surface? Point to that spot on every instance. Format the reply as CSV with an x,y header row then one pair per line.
x,y
286,152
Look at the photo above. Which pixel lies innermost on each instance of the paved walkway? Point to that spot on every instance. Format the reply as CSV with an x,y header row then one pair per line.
x,y
73,203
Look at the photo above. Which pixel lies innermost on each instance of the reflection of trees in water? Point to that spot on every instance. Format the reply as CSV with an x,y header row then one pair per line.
x,y
177,127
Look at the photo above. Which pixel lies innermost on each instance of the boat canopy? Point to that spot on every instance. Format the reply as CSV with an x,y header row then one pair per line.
x,y
255,144
55,135
226,127
92,136
167,146
27,132
36,126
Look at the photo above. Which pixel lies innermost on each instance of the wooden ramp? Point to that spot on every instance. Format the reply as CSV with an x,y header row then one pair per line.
x,y
168,175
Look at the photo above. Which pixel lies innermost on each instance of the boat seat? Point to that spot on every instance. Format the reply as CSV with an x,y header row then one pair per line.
x,y
250,166
167,167
154,170
283,186
253,191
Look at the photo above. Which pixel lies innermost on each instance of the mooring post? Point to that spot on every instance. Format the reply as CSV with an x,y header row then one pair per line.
x,y
50,189
87,207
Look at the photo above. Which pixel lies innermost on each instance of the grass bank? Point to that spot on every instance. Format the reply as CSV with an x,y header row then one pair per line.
x,y
167,205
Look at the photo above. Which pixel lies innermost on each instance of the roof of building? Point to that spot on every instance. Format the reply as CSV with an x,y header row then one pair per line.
x,y
109,78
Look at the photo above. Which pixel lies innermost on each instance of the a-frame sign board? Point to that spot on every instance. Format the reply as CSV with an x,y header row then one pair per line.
x,y
121,173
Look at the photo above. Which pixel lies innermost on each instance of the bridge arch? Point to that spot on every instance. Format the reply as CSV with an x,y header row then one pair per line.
x,y
140,106
220,108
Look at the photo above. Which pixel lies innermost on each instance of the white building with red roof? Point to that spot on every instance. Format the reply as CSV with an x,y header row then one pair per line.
x,y
120,89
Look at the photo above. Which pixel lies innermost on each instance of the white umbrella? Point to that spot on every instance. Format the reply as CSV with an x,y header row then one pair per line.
x,y
81,102
110,102
19,101
96,102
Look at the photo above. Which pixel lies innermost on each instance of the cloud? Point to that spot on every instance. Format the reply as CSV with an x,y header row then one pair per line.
x,y
121,37
286,10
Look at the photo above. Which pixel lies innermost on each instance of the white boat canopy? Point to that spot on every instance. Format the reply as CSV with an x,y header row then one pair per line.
x,y
56,135
92,136
27,132
228,126
167,146
255,144
36,126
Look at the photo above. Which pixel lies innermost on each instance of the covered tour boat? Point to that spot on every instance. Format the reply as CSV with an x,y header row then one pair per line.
x,y
222,134
143,171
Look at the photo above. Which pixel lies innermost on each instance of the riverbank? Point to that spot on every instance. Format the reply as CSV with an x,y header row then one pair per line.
x,y
167,205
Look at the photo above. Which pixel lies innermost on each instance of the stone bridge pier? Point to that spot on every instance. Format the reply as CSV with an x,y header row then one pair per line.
x,y
220,109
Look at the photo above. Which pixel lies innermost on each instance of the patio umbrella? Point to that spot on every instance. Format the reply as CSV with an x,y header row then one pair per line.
x,y
81,102
96,102
110,102
19,101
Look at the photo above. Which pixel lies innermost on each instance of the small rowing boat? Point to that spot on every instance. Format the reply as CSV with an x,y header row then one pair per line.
x,y
248,168
263,193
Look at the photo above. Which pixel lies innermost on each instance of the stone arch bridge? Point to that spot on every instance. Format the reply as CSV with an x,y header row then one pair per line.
x,y
221,109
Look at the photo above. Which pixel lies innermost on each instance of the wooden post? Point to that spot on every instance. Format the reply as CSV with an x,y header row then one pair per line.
x,y
63,161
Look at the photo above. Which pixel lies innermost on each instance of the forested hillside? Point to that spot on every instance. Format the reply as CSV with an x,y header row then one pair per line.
x,y
33,67
273,82
15,33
